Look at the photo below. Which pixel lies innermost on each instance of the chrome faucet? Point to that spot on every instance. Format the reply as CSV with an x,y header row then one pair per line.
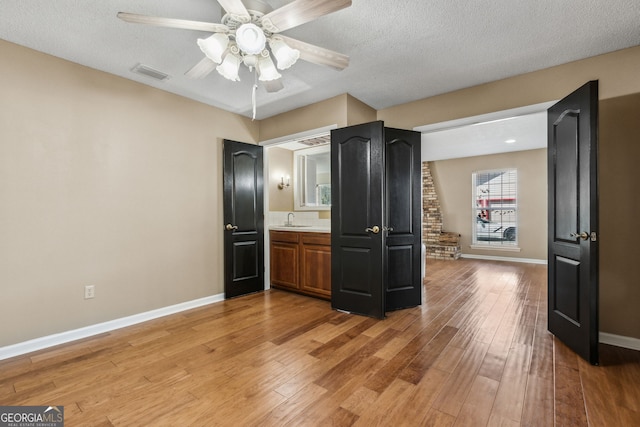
x,y
289,220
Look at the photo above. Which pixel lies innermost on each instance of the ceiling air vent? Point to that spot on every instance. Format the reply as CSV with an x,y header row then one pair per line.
x,y
316,140
150,72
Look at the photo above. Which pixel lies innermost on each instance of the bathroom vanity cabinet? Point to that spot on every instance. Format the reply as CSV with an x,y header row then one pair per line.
x,y
301,262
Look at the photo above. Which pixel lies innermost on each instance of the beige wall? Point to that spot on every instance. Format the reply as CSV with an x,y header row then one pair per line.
x,y
453,184
358,112
103,182
342,110
280,164
332,111
619,215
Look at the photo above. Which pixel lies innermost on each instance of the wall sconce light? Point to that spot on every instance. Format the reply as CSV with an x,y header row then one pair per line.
x,y
282,184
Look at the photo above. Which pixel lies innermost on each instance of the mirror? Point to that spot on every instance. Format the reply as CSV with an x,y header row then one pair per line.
x,y
312,178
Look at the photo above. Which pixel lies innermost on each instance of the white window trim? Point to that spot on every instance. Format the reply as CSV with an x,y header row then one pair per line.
x,y
507,247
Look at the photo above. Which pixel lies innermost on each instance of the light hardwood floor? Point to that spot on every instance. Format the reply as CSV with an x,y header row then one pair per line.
x,y
475,353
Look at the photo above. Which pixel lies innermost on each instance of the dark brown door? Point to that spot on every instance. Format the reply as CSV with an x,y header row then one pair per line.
x,y
573,221
357,238
403,284
243,219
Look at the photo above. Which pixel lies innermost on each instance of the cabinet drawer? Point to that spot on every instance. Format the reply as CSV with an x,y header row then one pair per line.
x,y
284,236
316,238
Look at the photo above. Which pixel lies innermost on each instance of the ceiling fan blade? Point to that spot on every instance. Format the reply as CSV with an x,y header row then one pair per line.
x,y
201,69
273,85
236,9
317,54
173,23
299,12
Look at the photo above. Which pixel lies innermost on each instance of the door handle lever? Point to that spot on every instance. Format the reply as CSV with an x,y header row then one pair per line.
x,y
230,227
375,229
583,235
586,236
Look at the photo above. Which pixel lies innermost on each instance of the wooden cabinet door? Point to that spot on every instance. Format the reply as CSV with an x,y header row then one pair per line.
x,y
285,260
315,273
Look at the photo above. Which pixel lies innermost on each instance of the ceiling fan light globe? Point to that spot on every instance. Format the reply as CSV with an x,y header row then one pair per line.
x,y
214,46
285,56
229,67
250,39
267,70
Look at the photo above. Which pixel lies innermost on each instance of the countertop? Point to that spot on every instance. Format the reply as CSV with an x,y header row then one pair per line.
x,y
301,228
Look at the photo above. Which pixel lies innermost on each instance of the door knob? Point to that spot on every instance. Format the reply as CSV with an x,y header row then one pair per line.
x,y
583,235
231,227
375,229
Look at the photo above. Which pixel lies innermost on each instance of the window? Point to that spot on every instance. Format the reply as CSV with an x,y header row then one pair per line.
x,y
495,208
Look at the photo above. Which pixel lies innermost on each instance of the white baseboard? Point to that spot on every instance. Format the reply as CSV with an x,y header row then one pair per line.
x,y
76,334
620,341
504,258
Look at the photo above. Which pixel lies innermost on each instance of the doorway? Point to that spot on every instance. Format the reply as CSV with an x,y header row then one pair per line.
x,y
515,138
280,183
571,159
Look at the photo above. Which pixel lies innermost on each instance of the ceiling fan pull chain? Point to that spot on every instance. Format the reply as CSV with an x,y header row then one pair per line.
x,y
253,94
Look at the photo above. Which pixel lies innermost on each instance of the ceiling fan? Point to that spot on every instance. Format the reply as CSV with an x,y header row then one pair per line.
x,y
241,38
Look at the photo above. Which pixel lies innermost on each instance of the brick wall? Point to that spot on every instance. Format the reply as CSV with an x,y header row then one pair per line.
x,y
439,244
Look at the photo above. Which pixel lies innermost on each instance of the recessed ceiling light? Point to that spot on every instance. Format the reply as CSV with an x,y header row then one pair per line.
x,y
510,141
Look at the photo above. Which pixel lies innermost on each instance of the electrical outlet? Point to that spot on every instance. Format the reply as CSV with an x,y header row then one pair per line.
x,y
89,292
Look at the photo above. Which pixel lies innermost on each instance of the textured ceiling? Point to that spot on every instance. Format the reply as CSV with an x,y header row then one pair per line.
x,y
400,51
